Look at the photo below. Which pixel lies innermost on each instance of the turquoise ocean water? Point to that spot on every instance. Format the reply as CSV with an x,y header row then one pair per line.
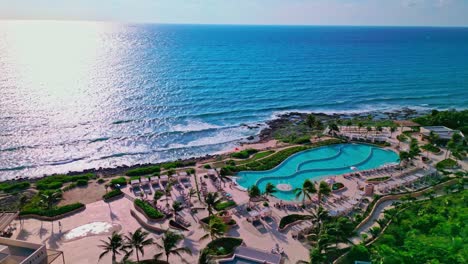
x,y
78,95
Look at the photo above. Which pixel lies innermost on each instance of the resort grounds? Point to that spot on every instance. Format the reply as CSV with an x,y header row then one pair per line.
x,y
257,217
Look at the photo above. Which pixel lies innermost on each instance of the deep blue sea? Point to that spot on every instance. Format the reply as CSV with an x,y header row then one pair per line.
x,y
78,95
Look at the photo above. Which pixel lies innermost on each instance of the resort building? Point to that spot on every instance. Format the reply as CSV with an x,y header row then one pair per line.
x,y
443,132
21,252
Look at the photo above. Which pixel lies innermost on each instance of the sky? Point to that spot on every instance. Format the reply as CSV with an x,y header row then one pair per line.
x,y
284,12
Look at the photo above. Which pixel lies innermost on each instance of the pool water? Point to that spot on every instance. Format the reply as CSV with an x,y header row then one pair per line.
x,y
316,164
239,260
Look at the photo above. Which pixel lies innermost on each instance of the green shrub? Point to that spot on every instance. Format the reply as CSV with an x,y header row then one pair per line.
x,y
275,159
81,183
158,194
69,187
301,140
177,164
14,187
292,218
149,210
143,171
48,186
446,164
228,170
223,246
244,154
111,194
101,181
431,148
120,181
57,181
223,205
207,166
53,212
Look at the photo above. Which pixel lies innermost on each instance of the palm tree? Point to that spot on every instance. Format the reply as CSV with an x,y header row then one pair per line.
x,y
211,199
49,198
360,125
323,190
167,191
114,246
333,128
348,124
215,228
310,121
191,193
392,130
254,192
170,240
176,207
137,242
269,189
306,191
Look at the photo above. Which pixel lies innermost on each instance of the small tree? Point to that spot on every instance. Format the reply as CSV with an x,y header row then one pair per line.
x,y
254,192
211,199
323,190
310,120
215,228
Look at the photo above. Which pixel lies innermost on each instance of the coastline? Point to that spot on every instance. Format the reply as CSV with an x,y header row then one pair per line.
x,y
264,140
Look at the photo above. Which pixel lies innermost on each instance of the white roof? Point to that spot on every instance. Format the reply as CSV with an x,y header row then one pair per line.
x,y
182,173
163,177
135,181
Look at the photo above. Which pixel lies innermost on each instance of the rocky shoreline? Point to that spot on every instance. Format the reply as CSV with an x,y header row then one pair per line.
x,y
265,135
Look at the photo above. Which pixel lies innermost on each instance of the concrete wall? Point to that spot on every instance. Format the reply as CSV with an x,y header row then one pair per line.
x,y
39,256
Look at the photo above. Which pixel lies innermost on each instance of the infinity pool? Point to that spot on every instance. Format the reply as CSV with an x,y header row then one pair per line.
x,y
316,164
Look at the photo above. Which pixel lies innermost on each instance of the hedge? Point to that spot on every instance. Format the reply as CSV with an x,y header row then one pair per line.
x,y
223,205
291,219
57,181
244,154
120,181
14,187
143,171
177,164
112,194
275,159
431,148
446,164
149,210
54,211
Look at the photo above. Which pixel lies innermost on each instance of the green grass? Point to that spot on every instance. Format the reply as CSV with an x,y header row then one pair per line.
x,y
292,218
149,210
119,181
275,159
56,181
14,187
256,156
223,205
446,164
244,154
223,246
54,211
143,171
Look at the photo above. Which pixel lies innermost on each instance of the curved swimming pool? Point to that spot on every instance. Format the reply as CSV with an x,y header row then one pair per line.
x,y
316,164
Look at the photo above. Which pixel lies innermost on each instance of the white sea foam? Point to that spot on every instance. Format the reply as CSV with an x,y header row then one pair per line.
x,y
193,125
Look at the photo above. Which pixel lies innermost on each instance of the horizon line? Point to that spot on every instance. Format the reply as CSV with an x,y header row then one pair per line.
x,y
225,24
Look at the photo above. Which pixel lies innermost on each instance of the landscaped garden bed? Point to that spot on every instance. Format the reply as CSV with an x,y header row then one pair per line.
x,y
337,186
224,205
113,195
292,218
148,210
53,213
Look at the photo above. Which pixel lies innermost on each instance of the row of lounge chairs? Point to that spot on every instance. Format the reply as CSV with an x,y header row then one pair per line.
x,y
159,183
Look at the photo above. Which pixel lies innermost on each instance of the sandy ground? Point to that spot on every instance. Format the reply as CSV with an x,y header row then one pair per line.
x,y
86,195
